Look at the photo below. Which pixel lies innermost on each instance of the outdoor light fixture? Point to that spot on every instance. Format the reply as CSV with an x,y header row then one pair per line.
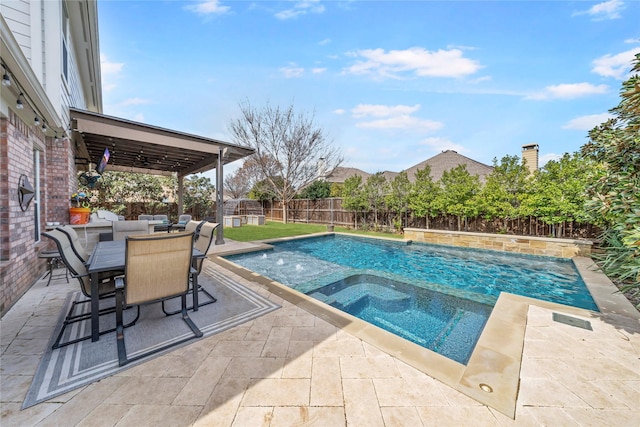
x,y
6,81
56,139
19,104
36,121
44,127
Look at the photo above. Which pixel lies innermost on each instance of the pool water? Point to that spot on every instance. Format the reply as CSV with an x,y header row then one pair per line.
x,y
454,277
442,323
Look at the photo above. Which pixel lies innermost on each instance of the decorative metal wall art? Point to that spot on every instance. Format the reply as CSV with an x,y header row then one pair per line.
x,y
25,192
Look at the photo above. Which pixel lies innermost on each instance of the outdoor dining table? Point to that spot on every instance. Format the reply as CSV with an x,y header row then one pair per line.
x,y
110,256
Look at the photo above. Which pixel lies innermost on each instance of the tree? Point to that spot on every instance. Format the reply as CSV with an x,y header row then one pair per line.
x,y
263,191
459,188
336,190
376,189
291,151
119,188
614,197
503,189
353,196
317,190
237,185
558,192
423,195
199,194
398,198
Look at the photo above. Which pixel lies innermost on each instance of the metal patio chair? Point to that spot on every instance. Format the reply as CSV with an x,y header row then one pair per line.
x,y
78,270
157,268
122,229
202,244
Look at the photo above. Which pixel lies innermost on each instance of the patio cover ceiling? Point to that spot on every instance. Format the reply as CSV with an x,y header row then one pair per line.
x,y
141,148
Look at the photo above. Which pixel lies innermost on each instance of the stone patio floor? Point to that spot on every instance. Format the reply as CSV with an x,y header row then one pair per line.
x,y
290,368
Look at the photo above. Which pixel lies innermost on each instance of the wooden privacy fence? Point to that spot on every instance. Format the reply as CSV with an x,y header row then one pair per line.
x,y
330,211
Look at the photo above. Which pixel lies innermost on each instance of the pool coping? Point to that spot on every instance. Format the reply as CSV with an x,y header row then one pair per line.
x,y
492,375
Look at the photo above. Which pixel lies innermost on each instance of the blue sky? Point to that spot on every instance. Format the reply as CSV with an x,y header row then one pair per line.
x,y
392,83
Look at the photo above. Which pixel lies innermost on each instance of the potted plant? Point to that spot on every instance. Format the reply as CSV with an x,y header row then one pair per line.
x,y
80,209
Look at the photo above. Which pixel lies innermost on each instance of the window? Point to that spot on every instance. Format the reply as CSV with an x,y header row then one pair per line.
x,y
65,37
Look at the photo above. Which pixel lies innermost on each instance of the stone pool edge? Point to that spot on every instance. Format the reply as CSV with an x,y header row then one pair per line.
x,y
497,357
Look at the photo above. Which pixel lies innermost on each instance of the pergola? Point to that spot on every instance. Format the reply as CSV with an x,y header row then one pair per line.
x,y
141,148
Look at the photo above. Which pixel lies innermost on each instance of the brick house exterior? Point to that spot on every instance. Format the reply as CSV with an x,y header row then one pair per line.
x,y
51,64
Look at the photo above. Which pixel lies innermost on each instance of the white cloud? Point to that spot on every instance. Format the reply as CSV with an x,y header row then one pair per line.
x,y
393,117
109,71
569,91
403,121
292,71
603,11
617,66
301,8
324,42
545,158
441,144
364,110
416,60
108,67
586,123
339,111
318,70
208,7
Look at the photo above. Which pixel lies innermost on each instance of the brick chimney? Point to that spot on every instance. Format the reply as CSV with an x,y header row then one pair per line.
x,y
530,155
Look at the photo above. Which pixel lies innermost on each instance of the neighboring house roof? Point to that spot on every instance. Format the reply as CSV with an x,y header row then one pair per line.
x,y
447,160
439,163
390,176
340,174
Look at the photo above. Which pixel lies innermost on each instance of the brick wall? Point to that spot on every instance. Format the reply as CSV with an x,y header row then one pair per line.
x,y
59,182
563,248
20,266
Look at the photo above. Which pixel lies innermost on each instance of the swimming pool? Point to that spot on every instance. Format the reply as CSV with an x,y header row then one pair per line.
x,y
311,264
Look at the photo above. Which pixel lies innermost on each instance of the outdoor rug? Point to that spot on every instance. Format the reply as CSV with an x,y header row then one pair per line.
x,y
80,364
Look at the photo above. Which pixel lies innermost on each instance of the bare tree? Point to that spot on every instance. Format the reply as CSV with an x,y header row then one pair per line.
x,y
242,181
291,152
238,184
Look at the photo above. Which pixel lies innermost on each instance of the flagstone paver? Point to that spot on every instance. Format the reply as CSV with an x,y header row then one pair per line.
x,y
290,367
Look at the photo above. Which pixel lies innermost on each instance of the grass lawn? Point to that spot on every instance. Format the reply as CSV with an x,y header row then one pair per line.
x,y
275,230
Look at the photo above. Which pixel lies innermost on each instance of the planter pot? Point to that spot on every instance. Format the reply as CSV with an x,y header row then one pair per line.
x,y
79,215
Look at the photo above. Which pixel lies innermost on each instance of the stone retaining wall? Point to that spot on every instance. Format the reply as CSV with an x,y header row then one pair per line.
x,y
563,248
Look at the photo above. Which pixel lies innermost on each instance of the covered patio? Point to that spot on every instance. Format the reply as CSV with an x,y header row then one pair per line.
x,y
141,148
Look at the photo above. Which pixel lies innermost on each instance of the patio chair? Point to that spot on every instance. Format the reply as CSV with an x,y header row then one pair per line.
x,y
53,261
157,267
202,244
78,270
145,217
80,251
182,223
194,226
77,247
122,229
